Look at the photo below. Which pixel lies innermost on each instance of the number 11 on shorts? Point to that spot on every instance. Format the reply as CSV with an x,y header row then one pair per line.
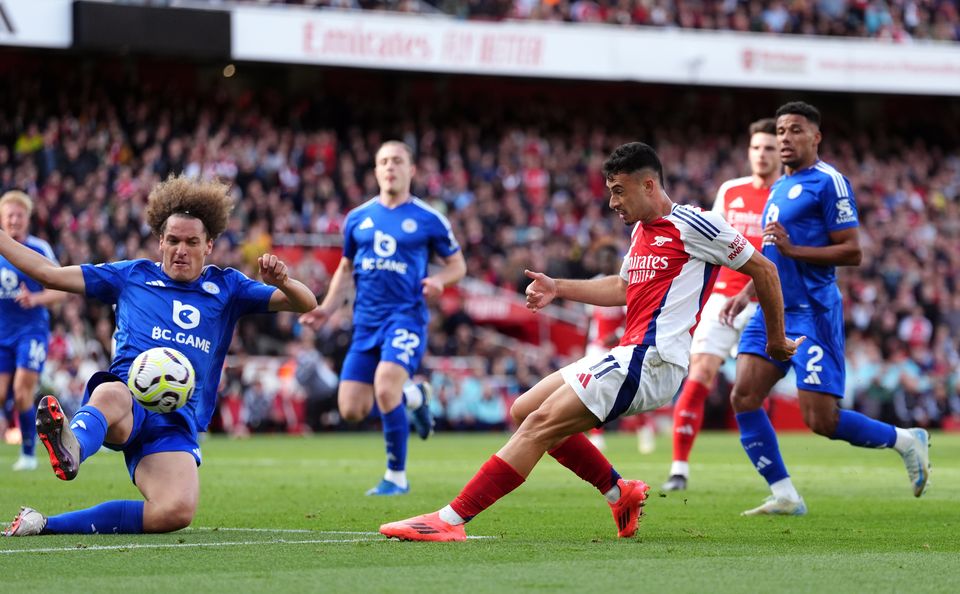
x,y
609,363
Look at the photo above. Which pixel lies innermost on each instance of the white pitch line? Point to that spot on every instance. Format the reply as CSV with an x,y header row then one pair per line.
x,y
185,545
276,530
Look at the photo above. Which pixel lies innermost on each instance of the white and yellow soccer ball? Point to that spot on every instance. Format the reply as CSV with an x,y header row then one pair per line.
x,y
161,379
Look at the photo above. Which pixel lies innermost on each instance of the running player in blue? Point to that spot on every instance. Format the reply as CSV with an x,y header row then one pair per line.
x,y
810,227
388,242
25,322
178,302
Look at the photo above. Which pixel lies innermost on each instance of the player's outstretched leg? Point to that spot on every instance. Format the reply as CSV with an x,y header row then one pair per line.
x,y
58,438
495,479
110,517
913,445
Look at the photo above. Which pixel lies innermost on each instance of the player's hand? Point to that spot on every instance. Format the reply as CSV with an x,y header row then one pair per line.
x,y
272,270
541,291
316,317
25,298
784,350
432,288
776,234
732,308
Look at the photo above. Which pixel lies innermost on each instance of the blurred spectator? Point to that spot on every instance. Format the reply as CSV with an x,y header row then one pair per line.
x,y
514,167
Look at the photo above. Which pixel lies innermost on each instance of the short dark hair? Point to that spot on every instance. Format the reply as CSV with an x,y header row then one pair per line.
x,y
633,157
406,147
764,126
801,109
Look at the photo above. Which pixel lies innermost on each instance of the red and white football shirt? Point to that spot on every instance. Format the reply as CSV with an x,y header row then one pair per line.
x,y
741,204
670,269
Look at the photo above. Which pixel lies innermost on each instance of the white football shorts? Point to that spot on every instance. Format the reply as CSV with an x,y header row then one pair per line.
x,y
623,381
714,338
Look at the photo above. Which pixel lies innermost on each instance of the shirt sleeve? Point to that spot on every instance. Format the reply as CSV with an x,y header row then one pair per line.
x,y
349,246
838,204
106,281
709,237
442,241
249,296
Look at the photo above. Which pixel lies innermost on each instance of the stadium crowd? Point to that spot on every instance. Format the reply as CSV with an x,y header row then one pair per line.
x,y
894,20
518,176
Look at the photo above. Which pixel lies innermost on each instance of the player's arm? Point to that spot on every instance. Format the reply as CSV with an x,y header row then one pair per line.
x,y
844,248
36,266
47,297
605,291
291,294
341,285
454,268
766,283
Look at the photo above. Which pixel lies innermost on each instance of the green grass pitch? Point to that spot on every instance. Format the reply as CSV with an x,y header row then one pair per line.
x,y
288,514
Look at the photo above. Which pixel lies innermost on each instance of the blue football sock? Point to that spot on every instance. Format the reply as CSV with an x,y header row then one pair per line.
x,y
396,430
9,406
90,427
760,443
28,431
111,517
861,430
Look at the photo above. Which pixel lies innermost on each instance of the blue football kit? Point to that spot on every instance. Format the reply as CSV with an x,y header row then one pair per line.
x,y
390,249
810,204
195,318
26,334
26,331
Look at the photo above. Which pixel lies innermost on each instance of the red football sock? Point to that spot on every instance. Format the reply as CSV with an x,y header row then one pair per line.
x,y
495,479
688,418
586,461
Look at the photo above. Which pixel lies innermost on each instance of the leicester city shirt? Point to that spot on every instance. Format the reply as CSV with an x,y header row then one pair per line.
x,y
194,318
17,320
810,204
390,249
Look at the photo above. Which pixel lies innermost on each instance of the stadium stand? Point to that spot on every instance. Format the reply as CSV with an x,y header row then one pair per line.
x,y
514,165
900,21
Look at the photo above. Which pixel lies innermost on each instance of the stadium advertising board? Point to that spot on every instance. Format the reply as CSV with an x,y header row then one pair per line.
x,y
601,52
36,23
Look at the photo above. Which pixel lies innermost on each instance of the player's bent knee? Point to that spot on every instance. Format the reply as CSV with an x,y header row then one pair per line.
x,y
112,395
353,415
518,413
744,400
171,516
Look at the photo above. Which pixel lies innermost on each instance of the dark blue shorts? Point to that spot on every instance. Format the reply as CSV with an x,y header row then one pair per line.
x,y
26,351
401,340
152,432
819,362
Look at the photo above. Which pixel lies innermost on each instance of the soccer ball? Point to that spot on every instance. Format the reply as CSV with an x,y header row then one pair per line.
x,y
161,379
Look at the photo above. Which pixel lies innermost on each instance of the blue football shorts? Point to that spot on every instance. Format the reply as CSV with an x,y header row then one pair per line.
x,y
819,362
152,432
401,340
24,351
